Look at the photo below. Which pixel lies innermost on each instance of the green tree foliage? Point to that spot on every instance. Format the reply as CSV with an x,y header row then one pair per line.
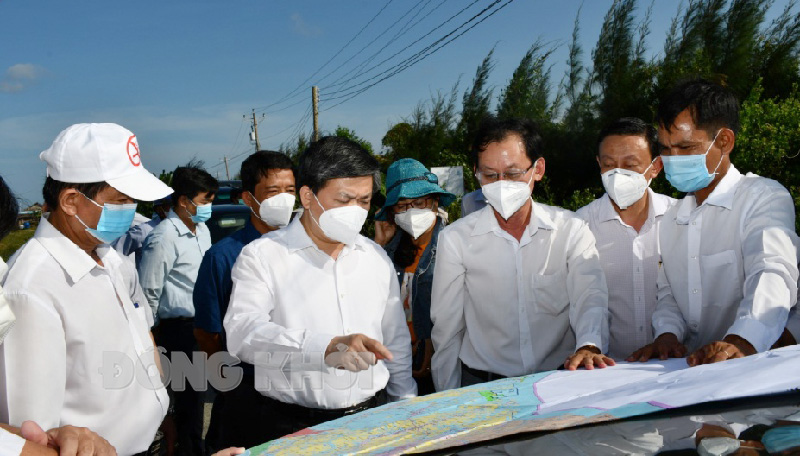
x,y
728,41
768,143
527,93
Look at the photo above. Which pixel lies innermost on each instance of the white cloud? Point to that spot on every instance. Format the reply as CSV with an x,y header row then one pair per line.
x,y
20,76
303,28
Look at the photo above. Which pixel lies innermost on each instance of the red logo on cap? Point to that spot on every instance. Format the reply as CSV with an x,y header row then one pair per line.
x,y
133,151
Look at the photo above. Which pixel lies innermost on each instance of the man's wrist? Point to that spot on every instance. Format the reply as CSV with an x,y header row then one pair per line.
x,y
590,348
741,343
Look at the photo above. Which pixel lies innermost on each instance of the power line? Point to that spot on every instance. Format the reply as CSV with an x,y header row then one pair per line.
x,y
448,20
303,84
419,58
357,53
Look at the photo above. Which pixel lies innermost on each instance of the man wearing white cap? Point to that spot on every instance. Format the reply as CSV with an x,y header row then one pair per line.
x,y
81,351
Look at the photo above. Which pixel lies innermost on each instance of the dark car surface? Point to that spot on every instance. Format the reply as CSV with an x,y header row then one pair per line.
x,y
226,219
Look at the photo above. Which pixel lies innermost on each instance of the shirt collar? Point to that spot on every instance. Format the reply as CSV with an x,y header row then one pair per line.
x,y
75,262
297,239
657,207
487,223
722,196
723,193
179,225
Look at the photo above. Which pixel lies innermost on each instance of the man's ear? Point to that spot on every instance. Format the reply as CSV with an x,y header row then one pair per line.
x,y
725,140
655,168
68,201
538,169
306,197
248,198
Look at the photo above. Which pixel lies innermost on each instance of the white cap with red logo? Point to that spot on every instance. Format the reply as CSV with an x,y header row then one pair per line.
x,y
102,152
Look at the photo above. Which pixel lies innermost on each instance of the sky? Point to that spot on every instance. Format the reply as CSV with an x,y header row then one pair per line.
x,y
185,76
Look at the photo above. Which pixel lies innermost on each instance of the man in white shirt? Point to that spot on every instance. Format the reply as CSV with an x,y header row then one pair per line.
x,y
518,286
170,259
625,224
729,247
81,352
316,306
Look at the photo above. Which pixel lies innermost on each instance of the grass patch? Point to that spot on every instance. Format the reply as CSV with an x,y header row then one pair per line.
x,y
14,241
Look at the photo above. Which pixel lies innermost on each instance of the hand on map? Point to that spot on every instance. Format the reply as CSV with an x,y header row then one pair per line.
x,y
730,347
588,357
665,346
68,440
355,352
229,452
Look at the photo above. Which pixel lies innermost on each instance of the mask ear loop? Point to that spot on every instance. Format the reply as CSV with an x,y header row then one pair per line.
x,y
648,167
714,173
312,215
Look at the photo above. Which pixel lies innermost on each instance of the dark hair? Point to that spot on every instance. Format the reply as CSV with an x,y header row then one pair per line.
x,y
711,106
631,126
335,157
9,209
258,165
190,181
52,190
493,129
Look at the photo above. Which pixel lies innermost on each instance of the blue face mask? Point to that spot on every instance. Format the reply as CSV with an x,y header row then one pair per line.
x,y
203,212
115,220
781,439
688,173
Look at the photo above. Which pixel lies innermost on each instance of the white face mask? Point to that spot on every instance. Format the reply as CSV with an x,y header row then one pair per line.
x,y
341,224
507,197
415,221
275,210
624,186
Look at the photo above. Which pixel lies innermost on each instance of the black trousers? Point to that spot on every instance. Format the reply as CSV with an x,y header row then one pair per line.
x,y
250,418
177,335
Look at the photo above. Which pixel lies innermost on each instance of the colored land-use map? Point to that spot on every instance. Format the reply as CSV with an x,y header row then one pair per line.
x,y
539,402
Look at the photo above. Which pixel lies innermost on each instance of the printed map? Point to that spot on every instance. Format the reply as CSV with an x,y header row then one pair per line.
x,y
544,401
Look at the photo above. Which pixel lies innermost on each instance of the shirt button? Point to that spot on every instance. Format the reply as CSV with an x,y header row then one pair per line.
x,y
694,223
641,328
694,291
694,257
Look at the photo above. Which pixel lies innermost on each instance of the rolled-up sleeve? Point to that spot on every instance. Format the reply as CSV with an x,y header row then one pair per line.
x,y
34,364
447,314
588,292
769,254
249,328
398,340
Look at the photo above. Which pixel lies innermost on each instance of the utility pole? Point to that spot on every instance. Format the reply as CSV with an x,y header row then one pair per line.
x,y
255,130
315,104
227,173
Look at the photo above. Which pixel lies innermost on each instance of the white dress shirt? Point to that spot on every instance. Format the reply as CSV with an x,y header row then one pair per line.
x,y
630,261
80,353
10,444
171,257
7,318
514,308
290,299
729,265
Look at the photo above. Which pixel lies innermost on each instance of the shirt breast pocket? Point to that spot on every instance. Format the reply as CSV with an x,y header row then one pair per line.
x,y
549,293
720,276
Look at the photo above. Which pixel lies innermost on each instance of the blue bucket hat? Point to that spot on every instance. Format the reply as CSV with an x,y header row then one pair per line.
x,y
408,178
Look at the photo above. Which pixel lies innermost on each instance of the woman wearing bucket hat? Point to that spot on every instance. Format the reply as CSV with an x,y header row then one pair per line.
x,y
413,199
